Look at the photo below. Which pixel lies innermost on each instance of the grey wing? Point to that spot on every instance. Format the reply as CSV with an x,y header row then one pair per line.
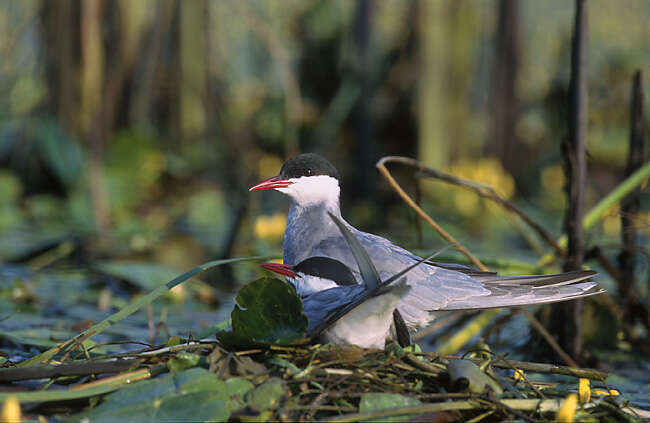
x,y
507,291
432,288
436,288
320,305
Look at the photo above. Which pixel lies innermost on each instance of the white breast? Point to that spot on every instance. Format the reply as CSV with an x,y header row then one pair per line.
x,y
367,326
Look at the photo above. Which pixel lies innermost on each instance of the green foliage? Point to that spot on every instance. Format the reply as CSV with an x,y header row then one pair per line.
x,y
126,188
182,361
375,401
237,388
144,275
10,189
267,395
181,135
191,395
131,308
268,311
62,153
207,210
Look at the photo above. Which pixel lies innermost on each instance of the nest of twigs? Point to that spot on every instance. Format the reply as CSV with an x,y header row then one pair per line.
x,y
324,383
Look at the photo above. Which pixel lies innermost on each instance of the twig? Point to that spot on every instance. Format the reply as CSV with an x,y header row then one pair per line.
x,y
605,204
549,338
419,211
630,205
437,396
566,318
384,171
418,409
544,368
78,342
133,307
482,190
418,218
512,367
87,390
129,377
421,364
634,303
67,369
543,406
315,405
319,408
500,405
481,416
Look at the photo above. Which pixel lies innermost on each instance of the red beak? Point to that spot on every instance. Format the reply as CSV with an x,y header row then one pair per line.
x,y
282,269
271,183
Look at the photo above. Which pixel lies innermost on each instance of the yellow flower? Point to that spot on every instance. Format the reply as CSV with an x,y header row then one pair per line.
x,y
268,165
612,224
487,171
567,410
467,203
612,392
553,178
518,375
11,410
270,228
583,390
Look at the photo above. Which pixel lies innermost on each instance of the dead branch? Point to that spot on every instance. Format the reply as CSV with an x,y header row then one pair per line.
x,y
384,171
84,368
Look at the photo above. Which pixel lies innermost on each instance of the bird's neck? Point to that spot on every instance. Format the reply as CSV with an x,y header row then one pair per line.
x,y
307,225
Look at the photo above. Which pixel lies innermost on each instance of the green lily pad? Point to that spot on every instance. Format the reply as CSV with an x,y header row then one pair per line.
x,y
191,395
183,360
267,395
237,388
375,401
268,311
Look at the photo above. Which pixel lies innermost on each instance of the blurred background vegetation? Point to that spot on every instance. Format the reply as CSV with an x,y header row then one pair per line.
x,y
130,132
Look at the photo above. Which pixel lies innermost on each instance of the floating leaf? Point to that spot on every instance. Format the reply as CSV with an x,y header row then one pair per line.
x,y
192,395
381,401
268,311
267,395
183,360
237,388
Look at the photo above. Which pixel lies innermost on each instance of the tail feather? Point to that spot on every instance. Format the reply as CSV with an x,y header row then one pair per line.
x,y
537,281
520,295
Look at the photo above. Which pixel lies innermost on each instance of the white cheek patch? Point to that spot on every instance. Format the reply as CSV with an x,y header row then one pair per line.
x,y
308,190
311,285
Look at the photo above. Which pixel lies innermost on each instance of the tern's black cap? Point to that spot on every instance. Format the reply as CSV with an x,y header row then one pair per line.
x,y
327,268
308,164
